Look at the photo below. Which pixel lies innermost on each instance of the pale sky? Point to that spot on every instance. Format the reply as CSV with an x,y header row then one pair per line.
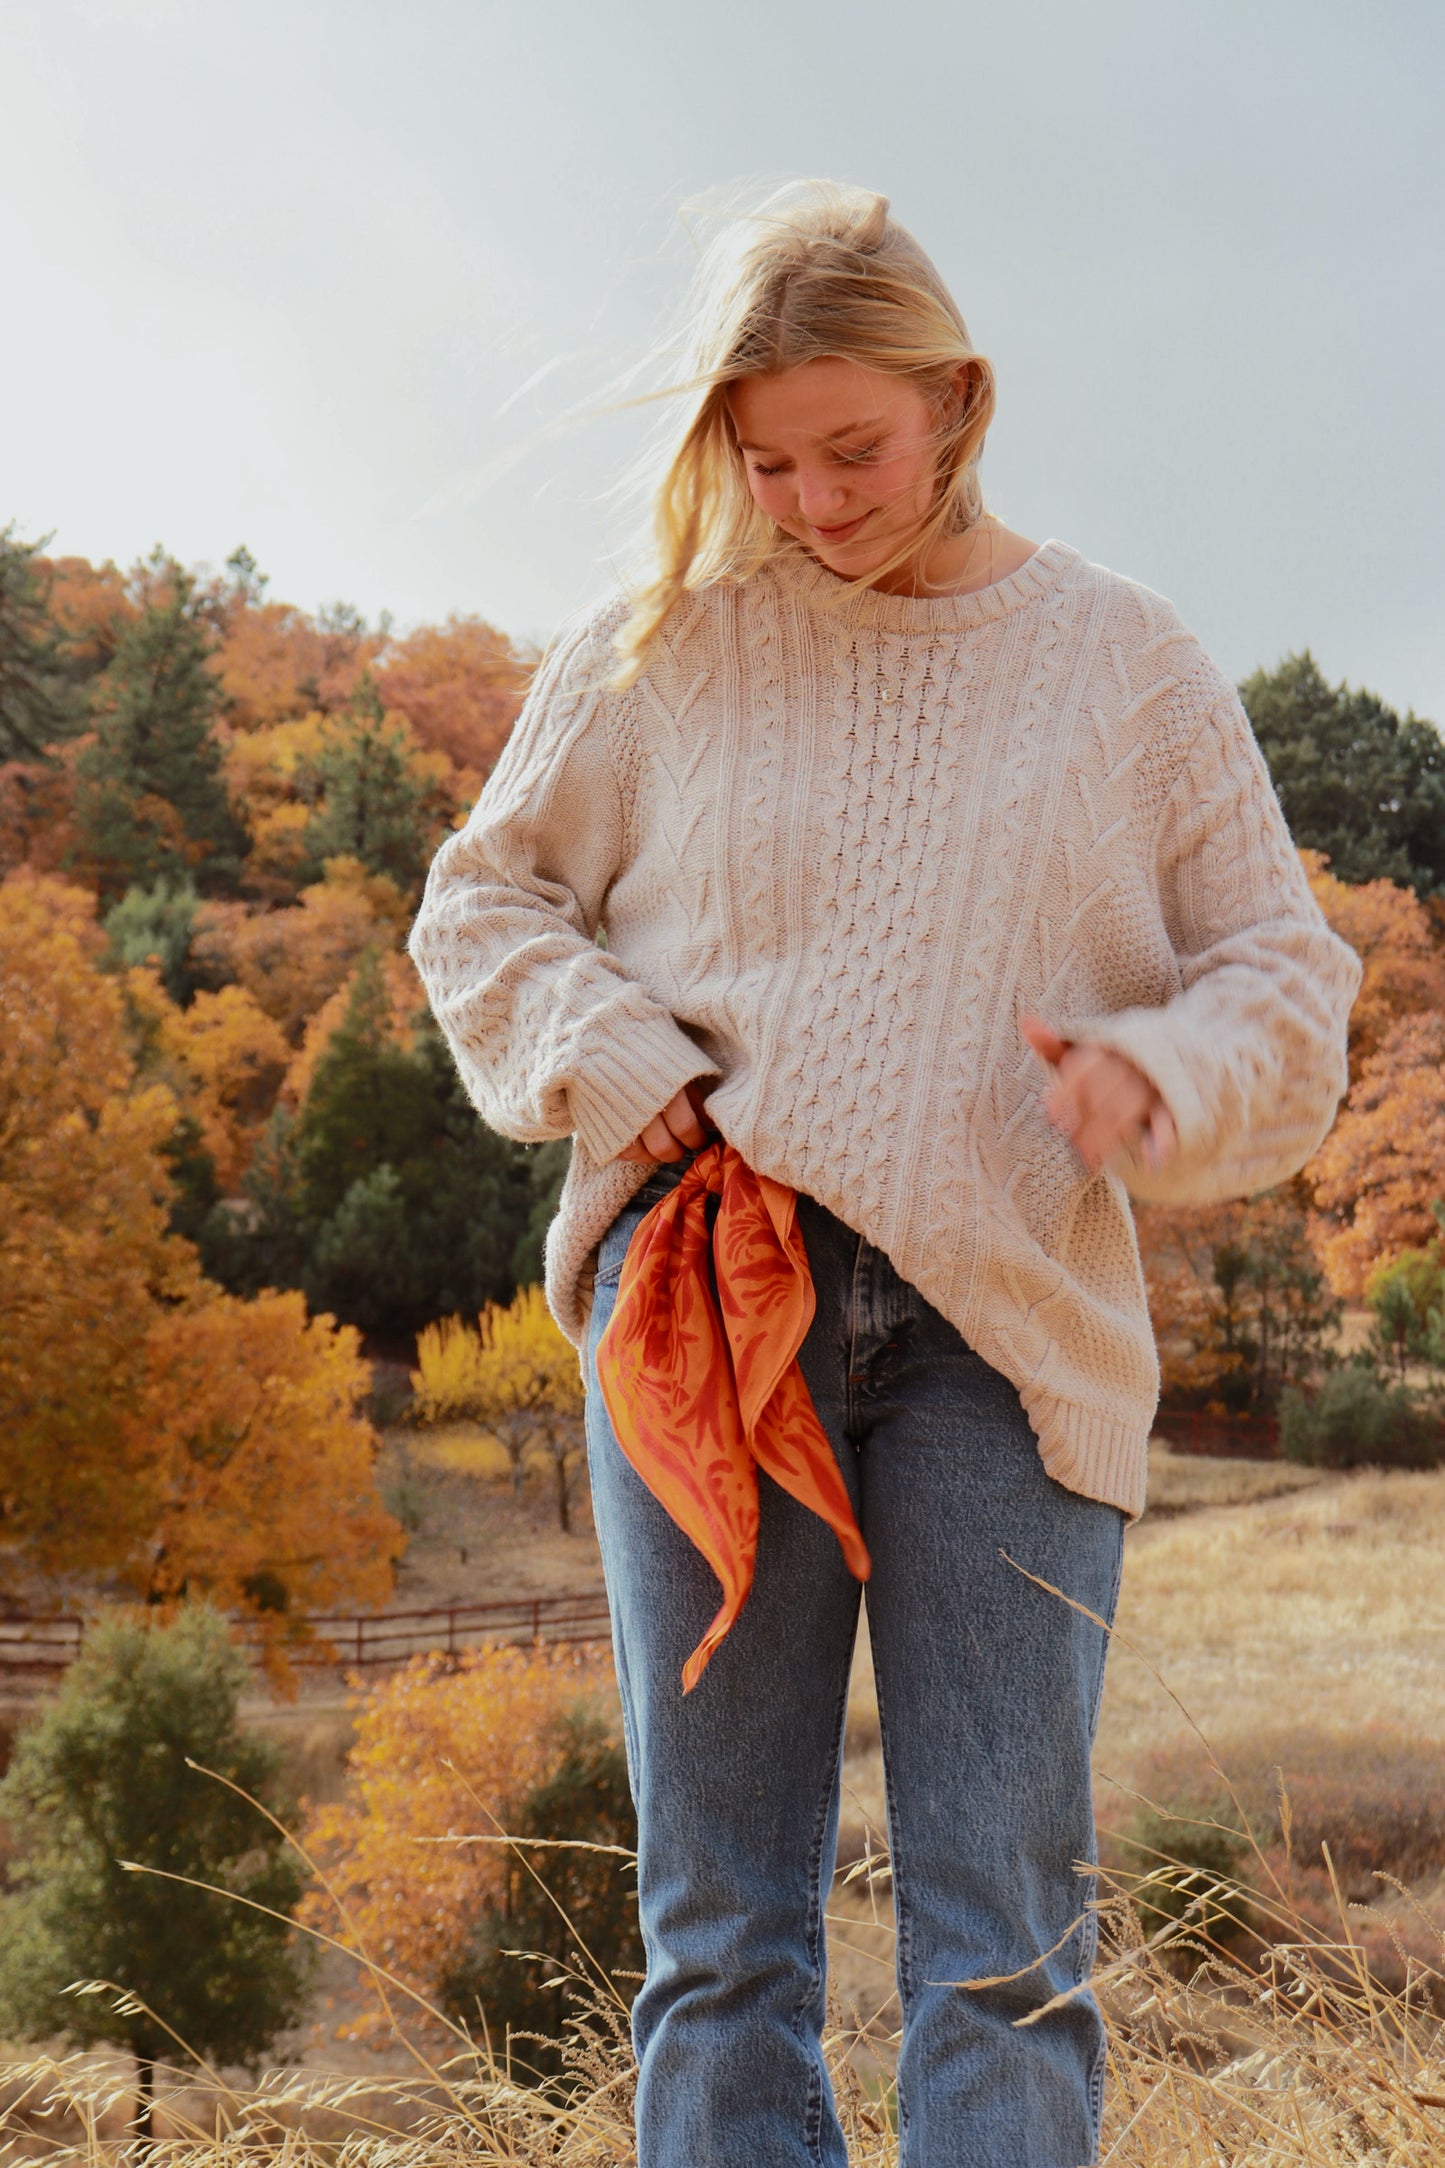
x,y
270,272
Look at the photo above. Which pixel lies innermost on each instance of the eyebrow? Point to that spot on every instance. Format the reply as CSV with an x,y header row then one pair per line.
x,y
831,436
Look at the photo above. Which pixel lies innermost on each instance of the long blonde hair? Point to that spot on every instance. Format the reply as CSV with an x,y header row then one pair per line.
x,y
818,270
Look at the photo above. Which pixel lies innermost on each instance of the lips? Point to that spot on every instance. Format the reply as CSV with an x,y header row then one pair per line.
x,y
845,532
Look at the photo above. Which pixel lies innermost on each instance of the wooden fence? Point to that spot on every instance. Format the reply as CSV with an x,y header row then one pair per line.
x,y
1231,1437
33,1650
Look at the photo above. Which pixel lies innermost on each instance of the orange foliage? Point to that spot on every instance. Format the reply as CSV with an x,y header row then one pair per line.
x,y
460,686
1390,930
37,807
292,961
274,663
234,1057
85,1257
409,1902
148,1423
92,605
248,1437
1382,1167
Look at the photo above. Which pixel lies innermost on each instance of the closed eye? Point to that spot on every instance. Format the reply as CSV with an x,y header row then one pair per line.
x,y
857,458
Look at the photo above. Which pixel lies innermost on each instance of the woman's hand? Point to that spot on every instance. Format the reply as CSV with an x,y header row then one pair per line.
x,y
1100,1101
676,1130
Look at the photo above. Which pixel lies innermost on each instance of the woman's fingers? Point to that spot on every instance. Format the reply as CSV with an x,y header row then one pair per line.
x,y
1100,1101
1044,1040
672,1132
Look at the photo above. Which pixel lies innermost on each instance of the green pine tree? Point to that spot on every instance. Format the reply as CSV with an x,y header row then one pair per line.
x,y
371,803
1356,780
33,711
103,1778
152,801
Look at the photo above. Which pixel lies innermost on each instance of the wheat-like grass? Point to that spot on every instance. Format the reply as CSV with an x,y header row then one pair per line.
x,y
1292,2057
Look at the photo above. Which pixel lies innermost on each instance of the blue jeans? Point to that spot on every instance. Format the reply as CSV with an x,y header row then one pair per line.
x,y
988,1690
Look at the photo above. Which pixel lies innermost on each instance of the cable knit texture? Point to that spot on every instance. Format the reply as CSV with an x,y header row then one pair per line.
x,y
834,843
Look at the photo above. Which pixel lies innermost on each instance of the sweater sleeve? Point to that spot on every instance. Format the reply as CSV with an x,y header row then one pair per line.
x,y
549,1033
1250,1057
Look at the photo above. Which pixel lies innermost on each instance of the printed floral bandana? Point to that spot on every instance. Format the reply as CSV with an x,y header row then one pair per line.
x,y
702,1391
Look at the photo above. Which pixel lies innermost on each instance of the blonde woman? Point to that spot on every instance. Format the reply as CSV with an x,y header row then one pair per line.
x,y
946,903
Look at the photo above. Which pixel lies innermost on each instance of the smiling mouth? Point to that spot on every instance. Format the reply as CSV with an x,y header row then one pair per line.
x,y
841,534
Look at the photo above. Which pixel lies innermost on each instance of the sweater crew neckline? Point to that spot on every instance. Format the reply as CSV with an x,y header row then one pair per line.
x,y
812,583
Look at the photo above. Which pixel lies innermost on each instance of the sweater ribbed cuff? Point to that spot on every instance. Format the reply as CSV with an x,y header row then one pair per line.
x,y
629,1080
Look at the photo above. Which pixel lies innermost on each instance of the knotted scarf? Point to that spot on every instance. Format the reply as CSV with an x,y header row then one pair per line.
x,y
703,1388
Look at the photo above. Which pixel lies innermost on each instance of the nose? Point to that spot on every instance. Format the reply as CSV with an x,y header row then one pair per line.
x,y
822,497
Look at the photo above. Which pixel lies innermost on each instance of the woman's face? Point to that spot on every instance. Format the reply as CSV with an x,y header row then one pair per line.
x,y
842,457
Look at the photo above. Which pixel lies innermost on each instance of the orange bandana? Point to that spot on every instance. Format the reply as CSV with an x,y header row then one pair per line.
x,y
702,1392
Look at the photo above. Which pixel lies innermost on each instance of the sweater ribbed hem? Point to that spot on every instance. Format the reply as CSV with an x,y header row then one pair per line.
x,y
631,1078
1095,1455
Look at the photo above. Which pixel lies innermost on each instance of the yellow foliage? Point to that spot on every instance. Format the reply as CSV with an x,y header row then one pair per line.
x,y
250,1440
515,1360
149,1424
409,1901
232,1058
85,1256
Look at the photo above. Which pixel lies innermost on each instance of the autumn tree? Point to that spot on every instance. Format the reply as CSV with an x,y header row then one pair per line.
x,y
291,961
442,1750
516,1374
149,1426
1240,1307
1389,929
153,800
250,1437
460,686
1358,782
1381,1170
273,662
104,1777
86,1258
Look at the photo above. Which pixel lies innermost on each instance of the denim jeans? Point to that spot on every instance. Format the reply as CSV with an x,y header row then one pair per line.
x,y
988,1690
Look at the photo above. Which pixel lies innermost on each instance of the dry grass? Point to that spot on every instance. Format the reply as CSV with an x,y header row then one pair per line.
x,y
1306,1630
1301,2063
1325,1608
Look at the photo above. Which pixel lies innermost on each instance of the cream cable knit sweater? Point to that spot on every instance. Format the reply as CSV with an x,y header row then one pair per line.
x,y
834,843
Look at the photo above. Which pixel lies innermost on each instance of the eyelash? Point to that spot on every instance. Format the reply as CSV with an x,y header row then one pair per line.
x,y
848,459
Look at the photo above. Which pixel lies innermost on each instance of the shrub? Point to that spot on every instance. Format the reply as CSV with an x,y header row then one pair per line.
x,y
1351,1420
566,1923
440,1751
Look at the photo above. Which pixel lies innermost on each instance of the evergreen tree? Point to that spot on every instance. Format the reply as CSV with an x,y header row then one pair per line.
x,y
32,711
373,803
102,1777
1357,781
152,802
156,923
384,1198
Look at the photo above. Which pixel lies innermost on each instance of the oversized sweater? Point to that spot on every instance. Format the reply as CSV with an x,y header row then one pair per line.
x,y
824,852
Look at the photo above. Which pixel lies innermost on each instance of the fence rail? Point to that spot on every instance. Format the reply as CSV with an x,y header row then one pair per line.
x,y
35,1648
1230,1437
